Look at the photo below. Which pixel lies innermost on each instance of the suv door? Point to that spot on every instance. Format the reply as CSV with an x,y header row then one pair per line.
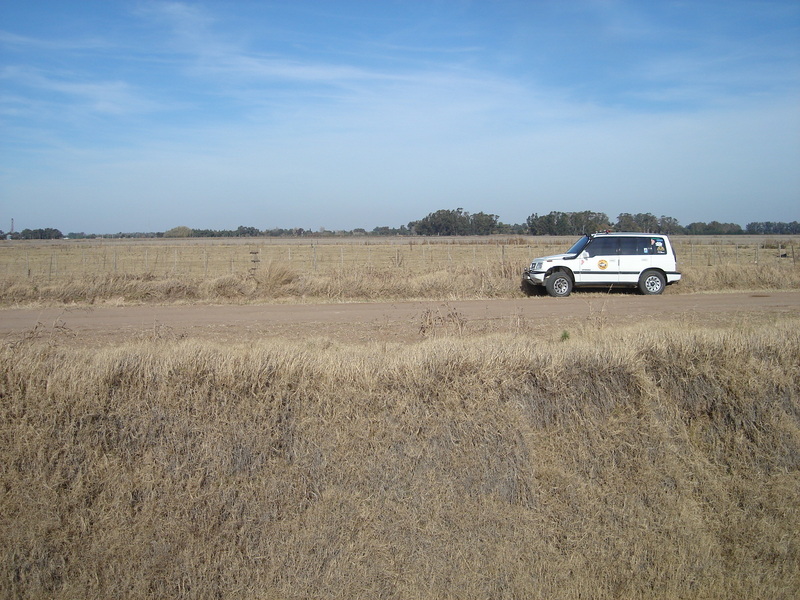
x,y
599,262
635,255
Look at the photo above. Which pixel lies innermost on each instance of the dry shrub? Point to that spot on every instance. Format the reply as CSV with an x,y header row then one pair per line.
x,y
458,281
100,288
276,275
621,463
228,287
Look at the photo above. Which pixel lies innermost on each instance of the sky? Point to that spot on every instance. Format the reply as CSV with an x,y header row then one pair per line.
x,y
126,116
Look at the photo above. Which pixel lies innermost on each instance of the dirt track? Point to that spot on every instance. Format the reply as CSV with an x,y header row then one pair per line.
x,y
389,321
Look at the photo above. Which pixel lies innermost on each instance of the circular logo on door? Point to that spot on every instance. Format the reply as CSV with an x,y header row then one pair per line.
x,y
602,265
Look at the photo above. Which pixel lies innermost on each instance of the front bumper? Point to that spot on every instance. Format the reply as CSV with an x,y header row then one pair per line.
x,y
533,277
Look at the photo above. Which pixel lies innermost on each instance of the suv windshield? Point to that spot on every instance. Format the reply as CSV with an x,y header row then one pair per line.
x,y
578,246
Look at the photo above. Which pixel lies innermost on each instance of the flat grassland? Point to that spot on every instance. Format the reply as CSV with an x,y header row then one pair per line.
x,y
342,269
653,458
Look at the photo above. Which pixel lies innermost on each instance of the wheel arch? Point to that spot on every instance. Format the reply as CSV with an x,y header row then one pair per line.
x,y
563,269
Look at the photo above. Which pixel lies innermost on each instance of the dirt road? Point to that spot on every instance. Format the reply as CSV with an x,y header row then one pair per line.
x,y
390,321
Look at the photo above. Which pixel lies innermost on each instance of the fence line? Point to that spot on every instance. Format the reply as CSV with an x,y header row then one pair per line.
x,y
73,260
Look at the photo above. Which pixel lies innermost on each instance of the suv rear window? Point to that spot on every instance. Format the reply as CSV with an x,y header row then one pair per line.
x,y
642,245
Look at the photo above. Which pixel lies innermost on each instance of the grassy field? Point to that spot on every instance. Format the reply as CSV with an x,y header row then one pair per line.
x,y
346,269
625,462
658,460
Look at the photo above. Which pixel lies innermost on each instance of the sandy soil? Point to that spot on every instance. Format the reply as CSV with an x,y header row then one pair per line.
x,y
380,321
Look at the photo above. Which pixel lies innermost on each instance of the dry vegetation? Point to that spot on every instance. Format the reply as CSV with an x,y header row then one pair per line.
x,y
658,462
331,270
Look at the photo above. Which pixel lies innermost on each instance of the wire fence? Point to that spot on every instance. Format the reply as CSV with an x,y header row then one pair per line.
x,y
59,260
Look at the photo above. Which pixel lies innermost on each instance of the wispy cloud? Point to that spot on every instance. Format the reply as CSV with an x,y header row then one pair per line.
x,y
13,41
109,97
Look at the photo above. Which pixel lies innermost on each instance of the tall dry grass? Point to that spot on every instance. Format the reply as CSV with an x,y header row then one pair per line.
x,y
631,462
279,283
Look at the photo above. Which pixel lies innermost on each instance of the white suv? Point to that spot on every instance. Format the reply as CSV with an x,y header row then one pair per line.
x,y
643,260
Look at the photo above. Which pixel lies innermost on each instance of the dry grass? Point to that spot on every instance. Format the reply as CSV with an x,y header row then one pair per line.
x,y
210,271
635,462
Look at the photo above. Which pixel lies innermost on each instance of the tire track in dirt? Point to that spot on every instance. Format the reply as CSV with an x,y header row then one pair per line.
x,y
361,322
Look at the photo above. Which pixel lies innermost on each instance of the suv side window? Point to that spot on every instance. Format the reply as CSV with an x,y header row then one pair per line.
x,y
655,245
630,245
603,246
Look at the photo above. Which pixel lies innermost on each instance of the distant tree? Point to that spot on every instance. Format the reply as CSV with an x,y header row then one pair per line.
x,y
482,224
772,228
670,226
442,222
553,223
243,231
383,230
588,221
178,232
713,228
626,222
696,228
645,222
567,223
454,222
47,233
717,228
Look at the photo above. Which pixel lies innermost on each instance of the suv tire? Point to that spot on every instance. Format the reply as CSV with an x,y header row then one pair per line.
x,y
651,283
559,284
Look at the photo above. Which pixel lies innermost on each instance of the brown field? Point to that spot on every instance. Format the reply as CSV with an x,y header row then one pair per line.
x,y
342,269
599,446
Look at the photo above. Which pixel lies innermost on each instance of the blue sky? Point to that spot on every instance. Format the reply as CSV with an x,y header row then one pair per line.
x,y
141,116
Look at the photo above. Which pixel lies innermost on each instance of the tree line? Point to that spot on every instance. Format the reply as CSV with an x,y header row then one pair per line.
x,y
48,233
458,222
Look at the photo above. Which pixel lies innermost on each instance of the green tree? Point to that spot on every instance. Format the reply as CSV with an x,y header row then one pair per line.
x,y
669,225
482,224
644,222
178,232
243,231
442,222
626,222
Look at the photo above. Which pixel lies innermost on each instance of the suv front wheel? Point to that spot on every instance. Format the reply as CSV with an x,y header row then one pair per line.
x,y
559,284
652,282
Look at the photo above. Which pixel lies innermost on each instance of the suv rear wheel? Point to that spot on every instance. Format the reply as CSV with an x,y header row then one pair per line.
x,y
559,284
652,282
